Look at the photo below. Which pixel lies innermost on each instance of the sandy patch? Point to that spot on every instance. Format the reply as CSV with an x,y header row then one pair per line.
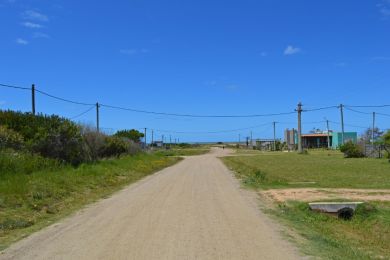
x,y
317,194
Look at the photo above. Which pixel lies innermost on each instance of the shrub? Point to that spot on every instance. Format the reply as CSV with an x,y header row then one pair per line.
x,y
351,150
64,143
95,142
132,134
114,146
50,136
10,139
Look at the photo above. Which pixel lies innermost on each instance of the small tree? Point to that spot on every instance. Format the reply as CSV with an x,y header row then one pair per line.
x,y
132,134
367,135
351,150
385,141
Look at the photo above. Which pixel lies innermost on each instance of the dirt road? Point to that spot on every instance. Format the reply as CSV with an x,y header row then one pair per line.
x,y
192,210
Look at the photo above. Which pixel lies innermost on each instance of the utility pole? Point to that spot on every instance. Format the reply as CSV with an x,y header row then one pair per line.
x,y
145,138
162,140
97,118
33,99
327,129
170,141
251,140
299,110
152,138
274,123
239,139
342,122
373,128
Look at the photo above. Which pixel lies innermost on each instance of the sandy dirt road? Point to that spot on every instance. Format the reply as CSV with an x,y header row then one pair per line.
x,y
192,210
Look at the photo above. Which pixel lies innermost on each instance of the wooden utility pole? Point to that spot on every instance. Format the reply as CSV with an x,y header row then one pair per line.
x,y
327,129
145,138
33,99
299,110
251,140
274,124
97,118
373,129
342,122
152,137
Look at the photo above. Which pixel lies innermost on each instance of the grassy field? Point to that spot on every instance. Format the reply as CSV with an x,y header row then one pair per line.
x,y
327,170
31,201
366,236
183,151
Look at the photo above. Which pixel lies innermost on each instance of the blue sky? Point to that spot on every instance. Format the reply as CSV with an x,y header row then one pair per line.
x,y
199,57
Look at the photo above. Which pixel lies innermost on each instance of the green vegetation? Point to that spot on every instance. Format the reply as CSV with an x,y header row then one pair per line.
x,y
351,150
59,138
366,236
183,151
326,169
42,191
132,134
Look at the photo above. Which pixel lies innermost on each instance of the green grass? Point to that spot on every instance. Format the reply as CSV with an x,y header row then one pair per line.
x,y
31,201
366,236
328,170
183,151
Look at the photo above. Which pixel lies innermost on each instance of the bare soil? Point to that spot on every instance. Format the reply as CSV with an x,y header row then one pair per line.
x,y
318,194
192,210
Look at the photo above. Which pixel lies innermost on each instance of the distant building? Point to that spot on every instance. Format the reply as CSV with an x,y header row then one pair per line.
x,y
264,144
291,138
319,139
158,144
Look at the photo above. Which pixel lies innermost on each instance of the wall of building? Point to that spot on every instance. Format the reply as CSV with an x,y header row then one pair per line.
x,y
337,138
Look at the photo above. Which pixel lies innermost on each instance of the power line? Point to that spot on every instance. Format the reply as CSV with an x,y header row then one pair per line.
x,y
83,113
212,132
334,122
357,111
195,115
63,99
320,108
370,106
15,87
383,114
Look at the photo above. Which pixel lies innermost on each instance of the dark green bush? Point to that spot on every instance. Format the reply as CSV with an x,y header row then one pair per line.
x,y
351,150
133,135
50,136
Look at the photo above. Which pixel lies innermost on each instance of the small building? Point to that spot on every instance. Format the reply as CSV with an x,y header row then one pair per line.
x,y
318,139
158,144
264,144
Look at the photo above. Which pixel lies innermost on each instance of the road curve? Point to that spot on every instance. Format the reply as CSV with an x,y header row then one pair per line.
x,y
192,210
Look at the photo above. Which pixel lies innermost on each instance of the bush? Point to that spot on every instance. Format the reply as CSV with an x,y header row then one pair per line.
x,y
132,135
114,146
64,143
95,142
351,150
50,136
10,139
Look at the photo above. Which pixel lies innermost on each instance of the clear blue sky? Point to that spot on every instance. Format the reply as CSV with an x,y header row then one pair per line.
x,y
199,57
